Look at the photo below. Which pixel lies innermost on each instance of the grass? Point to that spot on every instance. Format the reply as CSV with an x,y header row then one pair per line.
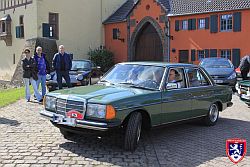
x,y
9,96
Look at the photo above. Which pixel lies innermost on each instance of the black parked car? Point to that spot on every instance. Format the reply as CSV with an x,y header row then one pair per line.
x,y
221,70
80,74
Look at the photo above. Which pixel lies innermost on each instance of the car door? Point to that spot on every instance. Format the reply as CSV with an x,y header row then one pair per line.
x,y
176,103
201,91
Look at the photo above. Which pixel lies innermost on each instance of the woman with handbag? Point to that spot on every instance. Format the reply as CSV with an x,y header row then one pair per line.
x,y
30,76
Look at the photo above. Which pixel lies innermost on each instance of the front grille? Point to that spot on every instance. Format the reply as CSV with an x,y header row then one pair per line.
x,y
63,106
218,76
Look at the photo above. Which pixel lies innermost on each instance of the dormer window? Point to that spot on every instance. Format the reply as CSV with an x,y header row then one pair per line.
x,y
5,30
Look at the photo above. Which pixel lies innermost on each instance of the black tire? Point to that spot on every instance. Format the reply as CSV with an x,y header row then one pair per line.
x,y
212,116
66,134
133,131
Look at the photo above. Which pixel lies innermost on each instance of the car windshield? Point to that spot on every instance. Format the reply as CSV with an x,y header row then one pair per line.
x,y
140,76
216,63
81,65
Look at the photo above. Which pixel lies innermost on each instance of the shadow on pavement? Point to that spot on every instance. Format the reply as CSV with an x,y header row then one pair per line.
x,y
188,144
9,122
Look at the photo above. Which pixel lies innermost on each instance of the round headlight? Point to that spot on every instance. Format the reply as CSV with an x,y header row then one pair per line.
x,y
48,77
79,77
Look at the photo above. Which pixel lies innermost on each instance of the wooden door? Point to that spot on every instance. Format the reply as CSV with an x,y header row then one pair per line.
x,y
183,56
148,46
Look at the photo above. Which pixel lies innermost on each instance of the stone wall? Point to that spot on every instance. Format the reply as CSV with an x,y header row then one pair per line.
x,y
49,48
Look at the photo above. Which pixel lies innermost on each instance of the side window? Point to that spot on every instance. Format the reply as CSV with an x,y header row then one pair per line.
x,y
196,78
176,76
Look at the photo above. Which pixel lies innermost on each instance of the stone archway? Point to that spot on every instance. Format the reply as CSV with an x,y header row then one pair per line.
x,y
148,25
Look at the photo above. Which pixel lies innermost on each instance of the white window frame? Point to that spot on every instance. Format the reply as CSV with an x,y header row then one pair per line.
x,y
184,25
225,53
202,23
201,54
226,22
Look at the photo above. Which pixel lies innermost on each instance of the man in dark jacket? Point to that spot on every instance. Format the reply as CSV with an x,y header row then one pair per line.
x,y
43,68
245,66
30,75
62,63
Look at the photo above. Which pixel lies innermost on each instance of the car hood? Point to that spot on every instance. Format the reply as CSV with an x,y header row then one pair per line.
x,y
99,93
220,71
245,83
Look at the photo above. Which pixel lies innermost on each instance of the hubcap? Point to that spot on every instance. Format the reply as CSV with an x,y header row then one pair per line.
x,y
138,132
213,113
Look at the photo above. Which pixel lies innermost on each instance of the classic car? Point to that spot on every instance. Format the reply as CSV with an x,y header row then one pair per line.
x,y
80,74
243,89
238,73
134,96
221,70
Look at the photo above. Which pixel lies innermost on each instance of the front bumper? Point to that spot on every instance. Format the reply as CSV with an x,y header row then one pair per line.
x,y
245,98
80,125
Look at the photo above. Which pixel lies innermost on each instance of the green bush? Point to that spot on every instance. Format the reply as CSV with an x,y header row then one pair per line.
x,y
102,57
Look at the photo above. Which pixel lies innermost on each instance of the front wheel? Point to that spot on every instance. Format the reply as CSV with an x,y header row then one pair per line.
x,y
212,116
133,131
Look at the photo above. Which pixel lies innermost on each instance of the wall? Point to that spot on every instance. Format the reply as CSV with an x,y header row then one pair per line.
x,y
203,39
80,22
117,47
7,67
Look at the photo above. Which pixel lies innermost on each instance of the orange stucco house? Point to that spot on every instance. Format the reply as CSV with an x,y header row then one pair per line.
x,y
179,30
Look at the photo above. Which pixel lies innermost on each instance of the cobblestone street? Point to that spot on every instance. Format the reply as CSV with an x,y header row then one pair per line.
x,y
27,139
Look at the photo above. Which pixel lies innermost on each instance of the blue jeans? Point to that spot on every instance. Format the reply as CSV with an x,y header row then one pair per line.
x,y
27,82
42,80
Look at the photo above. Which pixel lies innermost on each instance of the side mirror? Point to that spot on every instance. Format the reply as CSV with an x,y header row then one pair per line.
x,y
171,86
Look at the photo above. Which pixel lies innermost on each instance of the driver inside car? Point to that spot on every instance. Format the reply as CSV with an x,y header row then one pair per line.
x,y
173,78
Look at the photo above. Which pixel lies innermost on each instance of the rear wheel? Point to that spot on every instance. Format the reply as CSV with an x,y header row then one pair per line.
x,y
212,116
133,131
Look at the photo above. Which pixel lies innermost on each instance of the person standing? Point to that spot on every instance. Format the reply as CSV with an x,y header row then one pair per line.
x,y
245,66
43,69
62,63
30,75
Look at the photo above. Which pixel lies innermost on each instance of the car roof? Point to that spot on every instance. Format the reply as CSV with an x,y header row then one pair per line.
x,y
215,58
161,64
82,60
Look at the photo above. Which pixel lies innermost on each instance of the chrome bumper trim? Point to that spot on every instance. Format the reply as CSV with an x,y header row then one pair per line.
x,y
79,123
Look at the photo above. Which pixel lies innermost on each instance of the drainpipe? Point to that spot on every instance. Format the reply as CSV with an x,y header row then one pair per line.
x,y
102,42
168,54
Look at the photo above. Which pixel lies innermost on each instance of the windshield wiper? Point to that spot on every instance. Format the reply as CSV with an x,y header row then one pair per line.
x,y
106,81
126,83
141,87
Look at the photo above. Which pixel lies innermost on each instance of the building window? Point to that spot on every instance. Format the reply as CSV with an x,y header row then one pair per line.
x,y
54,25
184,25
201,54
226,53
3,27
202,24
226,22
21,24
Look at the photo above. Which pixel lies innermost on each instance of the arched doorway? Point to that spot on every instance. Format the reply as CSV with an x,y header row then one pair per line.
x,y
148,44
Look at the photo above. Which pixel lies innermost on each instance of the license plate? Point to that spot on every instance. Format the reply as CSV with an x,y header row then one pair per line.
x,y
64,121
218,81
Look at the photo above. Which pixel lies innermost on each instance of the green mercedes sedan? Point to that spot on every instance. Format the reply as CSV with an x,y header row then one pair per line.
x,y
134,96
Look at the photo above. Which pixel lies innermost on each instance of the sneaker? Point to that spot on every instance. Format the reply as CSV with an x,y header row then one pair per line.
x,y
28,100
40,101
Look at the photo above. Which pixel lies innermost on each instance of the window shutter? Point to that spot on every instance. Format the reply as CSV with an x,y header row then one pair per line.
x,y
236,57
193,55
214,23
189,24
206,53
193,24
18,31
177,25
213,52
207,23
46,27
115,32
237,21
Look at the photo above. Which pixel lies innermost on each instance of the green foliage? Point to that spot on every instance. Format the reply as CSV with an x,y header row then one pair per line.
x,y
102,57
9,96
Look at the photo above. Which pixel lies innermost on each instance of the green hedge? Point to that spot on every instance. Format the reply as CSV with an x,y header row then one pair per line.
x,y
102,57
